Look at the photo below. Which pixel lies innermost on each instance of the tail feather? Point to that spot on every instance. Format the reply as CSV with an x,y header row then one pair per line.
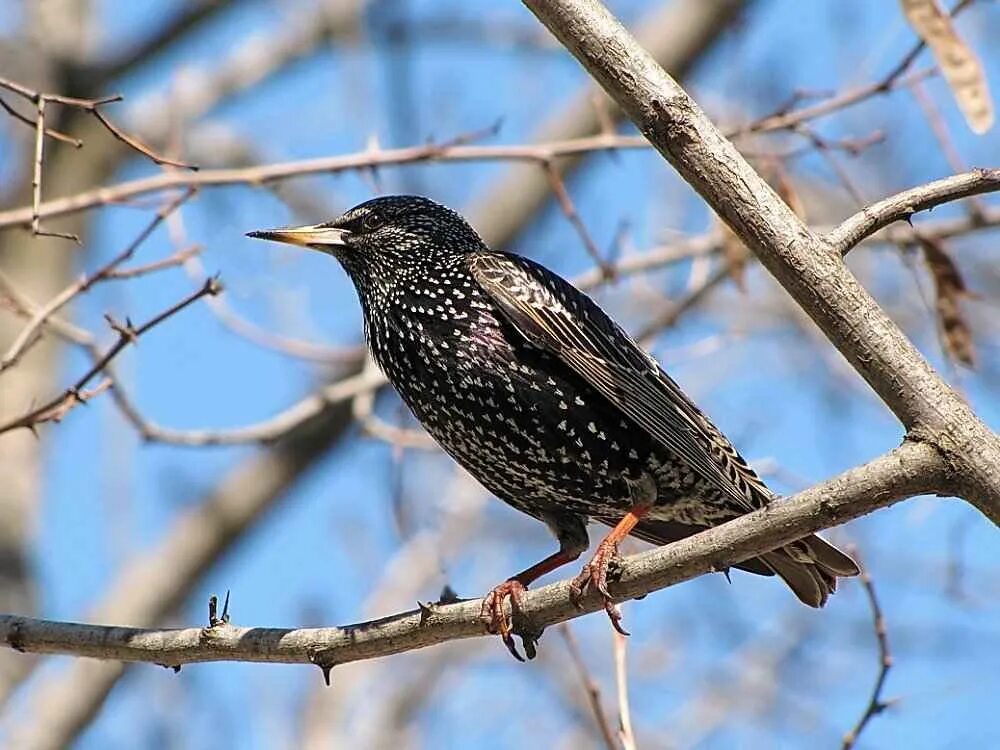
x,y
810,567
822,553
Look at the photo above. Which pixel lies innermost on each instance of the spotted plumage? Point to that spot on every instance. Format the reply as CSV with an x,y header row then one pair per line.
x,y
531,387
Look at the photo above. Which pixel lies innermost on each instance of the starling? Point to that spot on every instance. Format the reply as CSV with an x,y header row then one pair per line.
x,y
544,399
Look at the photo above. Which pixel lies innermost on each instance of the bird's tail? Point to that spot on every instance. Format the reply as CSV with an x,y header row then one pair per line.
x,y
811,567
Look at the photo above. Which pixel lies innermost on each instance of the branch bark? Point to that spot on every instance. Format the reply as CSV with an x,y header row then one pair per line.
x,y
912,468
804,263
901,206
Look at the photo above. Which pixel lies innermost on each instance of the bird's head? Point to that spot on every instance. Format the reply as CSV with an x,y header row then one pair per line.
x,y
387,239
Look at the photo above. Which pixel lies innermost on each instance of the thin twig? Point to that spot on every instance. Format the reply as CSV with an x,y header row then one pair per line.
x,y
590,687
625,732
29,334
40,99
36,177
570,212
787,120
876,704
178,258
56,408
50,132
137,145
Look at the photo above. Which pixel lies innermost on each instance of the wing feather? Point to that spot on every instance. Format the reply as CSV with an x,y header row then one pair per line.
x,y
559,319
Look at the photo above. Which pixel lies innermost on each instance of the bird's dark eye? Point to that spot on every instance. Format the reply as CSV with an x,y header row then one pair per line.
x,y
373,221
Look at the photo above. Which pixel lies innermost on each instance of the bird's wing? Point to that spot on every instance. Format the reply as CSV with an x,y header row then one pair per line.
x,y
556,317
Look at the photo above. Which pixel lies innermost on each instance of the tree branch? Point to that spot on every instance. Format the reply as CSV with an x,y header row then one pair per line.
x,y
54,409
801,261
912,468
903,205
540,154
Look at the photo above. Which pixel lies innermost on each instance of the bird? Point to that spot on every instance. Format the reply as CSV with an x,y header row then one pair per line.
x,y
543,398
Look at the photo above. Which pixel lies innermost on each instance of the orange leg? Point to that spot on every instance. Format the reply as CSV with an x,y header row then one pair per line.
x,y
595,573
513,588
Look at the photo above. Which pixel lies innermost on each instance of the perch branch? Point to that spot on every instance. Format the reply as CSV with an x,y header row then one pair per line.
x,y
912,468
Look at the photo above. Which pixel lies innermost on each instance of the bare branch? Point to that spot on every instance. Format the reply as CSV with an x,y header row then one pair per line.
x,y
29,333
621,680
590,687
903,205
910,469
876,704
92,106
366,159
55,409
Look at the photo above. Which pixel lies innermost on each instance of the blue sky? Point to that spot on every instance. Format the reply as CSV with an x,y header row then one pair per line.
x,y
319,555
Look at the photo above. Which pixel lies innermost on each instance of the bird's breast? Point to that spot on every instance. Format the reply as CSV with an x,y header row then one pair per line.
x,y
512,415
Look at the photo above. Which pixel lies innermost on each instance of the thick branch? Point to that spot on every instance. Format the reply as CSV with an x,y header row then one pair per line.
x,y
911,469
801,261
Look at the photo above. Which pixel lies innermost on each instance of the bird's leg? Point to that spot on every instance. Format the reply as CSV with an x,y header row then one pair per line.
x,y
595,573
492,613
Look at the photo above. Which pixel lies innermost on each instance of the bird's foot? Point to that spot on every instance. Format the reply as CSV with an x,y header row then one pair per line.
x,y
595,576
497,622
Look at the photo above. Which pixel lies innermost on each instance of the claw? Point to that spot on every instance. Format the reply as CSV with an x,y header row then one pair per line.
x,y
595,576
497,622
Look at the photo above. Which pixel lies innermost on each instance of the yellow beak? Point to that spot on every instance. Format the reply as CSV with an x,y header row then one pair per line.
x,y
315,236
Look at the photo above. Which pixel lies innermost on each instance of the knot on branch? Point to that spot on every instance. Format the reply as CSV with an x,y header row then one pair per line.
x,y
671,123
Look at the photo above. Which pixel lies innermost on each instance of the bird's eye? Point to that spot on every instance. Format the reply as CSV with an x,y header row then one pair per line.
x,y
373,221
